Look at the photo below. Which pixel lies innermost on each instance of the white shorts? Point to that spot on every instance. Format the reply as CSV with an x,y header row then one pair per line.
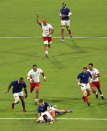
x,y
51,108
16,95
65,22
85,86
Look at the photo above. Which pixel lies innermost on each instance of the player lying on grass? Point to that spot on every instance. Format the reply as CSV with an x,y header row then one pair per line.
x,y
47,31
46,116
95,82
18,93
56,111
44,106
85,87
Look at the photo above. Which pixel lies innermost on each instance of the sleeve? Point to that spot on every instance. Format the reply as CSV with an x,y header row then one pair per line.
x,y
39,111
69,10
50,27
40,70
78,76
24,85
96,71
90,74
13,83
47,104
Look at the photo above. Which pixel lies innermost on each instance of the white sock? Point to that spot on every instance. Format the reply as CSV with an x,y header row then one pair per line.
x,y
96,93
36,100
46,52
101,94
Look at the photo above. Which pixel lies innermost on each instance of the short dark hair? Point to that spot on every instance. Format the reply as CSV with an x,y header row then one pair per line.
x,y
90,64
44,116
21,78
41,100
34,65
85,68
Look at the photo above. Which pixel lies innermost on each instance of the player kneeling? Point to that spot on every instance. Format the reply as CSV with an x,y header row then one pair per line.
x,y
45,117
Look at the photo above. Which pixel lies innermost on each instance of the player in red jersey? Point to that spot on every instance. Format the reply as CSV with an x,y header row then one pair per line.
x,y
95,82
47,30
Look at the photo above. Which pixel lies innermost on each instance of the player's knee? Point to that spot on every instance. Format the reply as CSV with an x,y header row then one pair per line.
x,y
16,101
62,27
68,28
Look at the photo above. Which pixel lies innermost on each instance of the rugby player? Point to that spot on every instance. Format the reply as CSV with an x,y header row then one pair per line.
x,y
45,117
65,21
47,31
33,75
85,87
44,106
95,82
18,93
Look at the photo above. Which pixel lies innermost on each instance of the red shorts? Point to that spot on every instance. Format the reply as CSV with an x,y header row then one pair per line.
x,y
49,39
95,84
32,85
51,114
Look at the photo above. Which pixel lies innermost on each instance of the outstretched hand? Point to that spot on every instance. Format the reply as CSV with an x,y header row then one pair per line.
x,y
37,14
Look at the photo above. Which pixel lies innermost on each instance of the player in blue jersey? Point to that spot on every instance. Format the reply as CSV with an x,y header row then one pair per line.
x,y
18,93
65,21
44,106
85,87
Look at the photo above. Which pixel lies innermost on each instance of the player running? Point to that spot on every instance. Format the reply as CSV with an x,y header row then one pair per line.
x,y
65,21
95,82
45,117
18,93
47,30
84,76
33,75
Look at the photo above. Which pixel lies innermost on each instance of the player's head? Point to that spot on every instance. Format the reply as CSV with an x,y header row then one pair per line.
x,y
45,117
44,22
41,101
21,80
34,67
84,70
90,66
63,5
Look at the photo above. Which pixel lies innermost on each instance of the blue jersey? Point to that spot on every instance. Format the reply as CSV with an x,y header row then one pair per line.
x,y
17,87
44,108
84,77
65,12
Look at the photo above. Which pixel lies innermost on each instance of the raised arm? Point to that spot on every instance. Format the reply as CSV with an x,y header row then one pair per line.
x,y
38,19
8,89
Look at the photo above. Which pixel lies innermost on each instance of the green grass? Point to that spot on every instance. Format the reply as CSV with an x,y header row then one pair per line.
x,y
65,61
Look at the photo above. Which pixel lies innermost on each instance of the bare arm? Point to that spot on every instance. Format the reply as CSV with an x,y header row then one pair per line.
x,y
77,80
44,76
52,30
8,89
38,115
38,19
25,90
48,108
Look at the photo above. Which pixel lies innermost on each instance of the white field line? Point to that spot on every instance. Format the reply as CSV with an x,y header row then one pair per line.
x,y
100,119
52,37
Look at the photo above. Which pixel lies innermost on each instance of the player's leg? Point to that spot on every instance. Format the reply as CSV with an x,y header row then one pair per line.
x,y
85,97
62,29
68,28
98,84
88,89
93,86
32,86
37,86
49,41
45,40
16,97
62,111
21,95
